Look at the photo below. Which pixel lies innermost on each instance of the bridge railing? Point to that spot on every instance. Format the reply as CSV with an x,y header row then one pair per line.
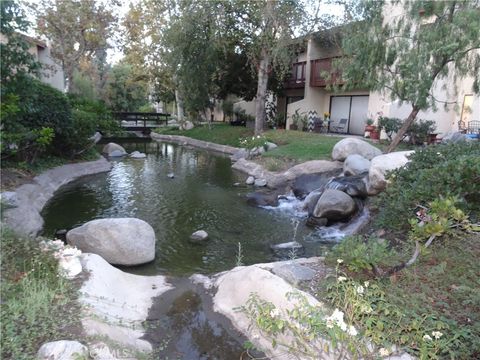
x,y
145,119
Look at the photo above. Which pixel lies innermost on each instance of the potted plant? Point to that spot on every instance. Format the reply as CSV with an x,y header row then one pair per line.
x,y
369,127
296,119
304,121
375,133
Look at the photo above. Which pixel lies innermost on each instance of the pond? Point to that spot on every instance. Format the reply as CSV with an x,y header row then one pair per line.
x,y
202,195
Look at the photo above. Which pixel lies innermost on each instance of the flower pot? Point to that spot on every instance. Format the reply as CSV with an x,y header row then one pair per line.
x,y
369,128
374,134
293,127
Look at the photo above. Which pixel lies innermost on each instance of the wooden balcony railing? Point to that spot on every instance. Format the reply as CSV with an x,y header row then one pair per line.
x,y
297,76
322,73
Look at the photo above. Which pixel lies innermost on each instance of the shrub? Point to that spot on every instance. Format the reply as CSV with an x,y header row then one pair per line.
x,y
440,170
390,125
419,130
360,255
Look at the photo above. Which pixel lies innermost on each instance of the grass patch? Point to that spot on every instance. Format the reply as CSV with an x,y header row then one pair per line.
x,y
37,304
293,146
301,146
224,134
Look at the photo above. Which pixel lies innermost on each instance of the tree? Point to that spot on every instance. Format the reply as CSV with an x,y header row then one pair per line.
x,y
125,92
15,60
78,29
407,56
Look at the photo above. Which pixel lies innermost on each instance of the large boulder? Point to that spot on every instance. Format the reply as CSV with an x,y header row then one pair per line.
x,y
334,205
306,183
350,146
312,167
262,199
187,125
62,350
355,164
121,241
381,165
117,303
352,185
112,150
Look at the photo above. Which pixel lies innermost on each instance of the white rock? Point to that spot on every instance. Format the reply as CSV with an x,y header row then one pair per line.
x,y
250,180
381,165
199,236
311,167
96,137
187,125
271,146
112,150
9,198
233,290
170,175
120,241
62,350
117,303
260,182
350,146
355,164
138,155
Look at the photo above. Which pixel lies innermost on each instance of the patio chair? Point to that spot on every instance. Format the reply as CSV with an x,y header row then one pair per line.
x,y
473,127
340,127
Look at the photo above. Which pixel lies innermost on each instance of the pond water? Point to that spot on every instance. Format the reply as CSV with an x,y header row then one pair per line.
x,y
202,195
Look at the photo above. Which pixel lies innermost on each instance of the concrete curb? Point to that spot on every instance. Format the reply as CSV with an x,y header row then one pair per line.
x,y
25,218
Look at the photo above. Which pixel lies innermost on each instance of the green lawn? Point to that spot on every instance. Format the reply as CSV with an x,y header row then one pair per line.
x,y
224,134
293,146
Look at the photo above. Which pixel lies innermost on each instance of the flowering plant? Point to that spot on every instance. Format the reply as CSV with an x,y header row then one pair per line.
x,y
253,142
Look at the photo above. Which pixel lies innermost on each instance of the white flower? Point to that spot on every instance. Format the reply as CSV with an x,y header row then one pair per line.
x,y
360,290
342,326
437,334
366,284
339,261
384,352
337,316
352,331
427,337
367,309
274,313
341,278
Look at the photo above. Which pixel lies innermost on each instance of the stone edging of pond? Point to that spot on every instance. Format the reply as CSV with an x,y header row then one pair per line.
x,y
29,199
184,140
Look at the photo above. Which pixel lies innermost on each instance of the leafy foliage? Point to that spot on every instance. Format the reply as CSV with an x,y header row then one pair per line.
x,y
390,125
446,170
360,255
419,130
405,55
37,305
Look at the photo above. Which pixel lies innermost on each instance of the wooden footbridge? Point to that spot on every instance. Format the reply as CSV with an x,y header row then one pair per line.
x,y
140,121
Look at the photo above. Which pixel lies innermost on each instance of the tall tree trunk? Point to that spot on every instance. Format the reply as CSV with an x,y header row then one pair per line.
x,y
179,101
261,91
400,134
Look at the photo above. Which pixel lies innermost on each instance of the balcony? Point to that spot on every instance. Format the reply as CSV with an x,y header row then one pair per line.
x,y
297,76
322,74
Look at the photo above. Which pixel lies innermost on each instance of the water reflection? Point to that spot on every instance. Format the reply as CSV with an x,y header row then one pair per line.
x,y
201,196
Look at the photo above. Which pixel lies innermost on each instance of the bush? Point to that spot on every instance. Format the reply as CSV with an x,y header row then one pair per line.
x,y
390,125
418,132
362,255
440,170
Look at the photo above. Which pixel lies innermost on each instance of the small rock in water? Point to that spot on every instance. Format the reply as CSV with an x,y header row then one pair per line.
x,y
288,250
171,175
61,235
199,236
236,184
138,155
250,180
117,153
260,182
